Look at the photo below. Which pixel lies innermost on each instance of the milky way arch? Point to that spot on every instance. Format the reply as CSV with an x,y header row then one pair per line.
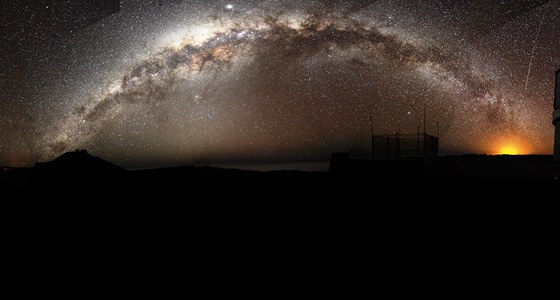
x,y
276,78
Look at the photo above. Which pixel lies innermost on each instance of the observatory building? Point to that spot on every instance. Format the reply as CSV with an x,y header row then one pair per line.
x,y
556,117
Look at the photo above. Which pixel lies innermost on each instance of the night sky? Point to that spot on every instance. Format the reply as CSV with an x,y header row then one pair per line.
x,y
159,83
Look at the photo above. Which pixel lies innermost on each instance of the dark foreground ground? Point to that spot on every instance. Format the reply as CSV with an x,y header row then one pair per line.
x,y
363,222
530,167
98,174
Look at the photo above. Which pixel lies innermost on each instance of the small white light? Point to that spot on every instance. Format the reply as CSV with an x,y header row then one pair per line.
x,y
229,6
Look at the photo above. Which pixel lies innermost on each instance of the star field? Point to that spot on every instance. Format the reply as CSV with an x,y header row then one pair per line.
x,y
160,83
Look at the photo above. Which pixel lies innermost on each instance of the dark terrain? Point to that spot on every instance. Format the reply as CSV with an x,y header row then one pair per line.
x,y
80,169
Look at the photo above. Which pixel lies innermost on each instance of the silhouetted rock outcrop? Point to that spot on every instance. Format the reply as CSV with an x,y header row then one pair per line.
x,y
75,168
80,160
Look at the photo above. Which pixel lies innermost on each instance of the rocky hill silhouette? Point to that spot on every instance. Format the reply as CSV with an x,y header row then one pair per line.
x,y
76,168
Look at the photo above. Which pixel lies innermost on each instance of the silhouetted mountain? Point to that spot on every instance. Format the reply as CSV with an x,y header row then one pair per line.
x,y
80,161
77,168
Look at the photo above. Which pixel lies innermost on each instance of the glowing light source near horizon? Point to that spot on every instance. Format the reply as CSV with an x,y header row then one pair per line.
x,y
510,150
512,145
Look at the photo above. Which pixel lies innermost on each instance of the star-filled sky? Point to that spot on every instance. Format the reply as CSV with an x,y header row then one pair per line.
x,y
160,83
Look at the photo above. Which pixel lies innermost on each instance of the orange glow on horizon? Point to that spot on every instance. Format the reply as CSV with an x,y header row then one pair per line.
x,y
511,146
510,150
